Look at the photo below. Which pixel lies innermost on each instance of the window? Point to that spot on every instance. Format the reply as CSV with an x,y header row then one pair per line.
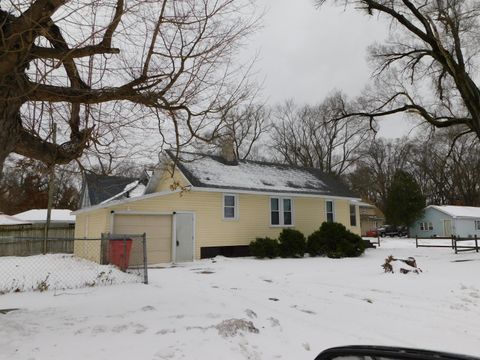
x,y
477,224
275,211
287,211
281,211
230,207
426,226
329,210
353,215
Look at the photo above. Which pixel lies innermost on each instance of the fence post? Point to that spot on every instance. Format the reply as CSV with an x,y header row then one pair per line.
x,y
145,267
124,258
456,249
416,241
476,243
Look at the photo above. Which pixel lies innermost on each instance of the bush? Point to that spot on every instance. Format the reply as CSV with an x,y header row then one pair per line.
x,y
335,241
292,243
264,247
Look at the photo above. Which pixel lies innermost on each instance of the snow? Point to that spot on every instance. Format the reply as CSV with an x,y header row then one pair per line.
x,y
134,189
139,190
10,220
212,309
251,175
459,211
40,215
56,272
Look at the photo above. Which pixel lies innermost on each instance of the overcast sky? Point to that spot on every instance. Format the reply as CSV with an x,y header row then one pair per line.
x,y
305,53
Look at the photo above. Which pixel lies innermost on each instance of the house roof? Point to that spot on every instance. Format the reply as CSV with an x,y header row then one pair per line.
x,y
40,216
104,187
211,171
458,211
10,220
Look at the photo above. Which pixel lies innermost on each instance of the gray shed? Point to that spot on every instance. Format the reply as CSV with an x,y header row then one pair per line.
x,y
447,220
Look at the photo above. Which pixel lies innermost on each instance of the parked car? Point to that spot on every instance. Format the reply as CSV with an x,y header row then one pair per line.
x,y
392,230
372,233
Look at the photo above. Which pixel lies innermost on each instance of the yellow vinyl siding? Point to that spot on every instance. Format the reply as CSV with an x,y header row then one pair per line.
x,y
169,183
253,217
90,225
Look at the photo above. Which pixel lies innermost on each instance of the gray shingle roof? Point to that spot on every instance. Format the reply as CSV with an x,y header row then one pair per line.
x,y
103,187
213,171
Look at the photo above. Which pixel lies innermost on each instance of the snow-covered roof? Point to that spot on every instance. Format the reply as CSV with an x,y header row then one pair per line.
x,y
458,211
363,204
40,216
10,220
131,190
212,171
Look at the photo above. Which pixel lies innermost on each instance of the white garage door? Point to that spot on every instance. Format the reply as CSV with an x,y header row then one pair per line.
x,y
158,229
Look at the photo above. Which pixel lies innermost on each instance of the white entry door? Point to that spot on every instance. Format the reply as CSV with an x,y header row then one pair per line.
x,y
184,230
447,228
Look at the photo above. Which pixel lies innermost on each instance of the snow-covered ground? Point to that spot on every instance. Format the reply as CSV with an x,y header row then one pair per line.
x,y
298,306
56,272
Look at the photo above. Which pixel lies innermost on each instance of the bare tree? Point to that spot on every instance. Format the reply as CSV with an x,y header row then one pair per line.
x,y
378,163
313,136
92,66
244,128
447,168
428,66
25,183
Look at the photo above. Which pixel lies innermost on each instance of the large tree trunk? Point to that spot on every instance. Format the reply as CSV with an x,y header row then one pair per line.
x,y
10,125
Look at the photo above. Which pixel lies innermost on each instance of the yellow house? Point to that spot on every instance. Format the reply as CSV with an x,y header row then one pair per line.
x,y
200,206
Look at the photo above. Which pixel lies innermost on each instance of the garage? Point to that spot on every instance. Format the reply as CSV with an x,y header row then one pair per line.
x,y
158,229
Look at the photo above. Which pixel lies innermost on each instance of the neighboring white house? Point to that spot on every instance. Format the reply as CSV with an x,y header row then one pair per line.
x,y
447,220
39,216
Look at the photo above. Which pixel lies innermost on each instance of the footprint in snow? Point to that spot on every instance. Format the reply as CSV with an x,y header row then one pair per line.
x,y
140,329
119,328
273,322
165,331
310,312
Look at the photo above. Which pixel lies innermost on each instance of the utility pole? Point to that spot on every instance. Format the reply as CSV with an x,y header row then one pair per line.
x,y
51,190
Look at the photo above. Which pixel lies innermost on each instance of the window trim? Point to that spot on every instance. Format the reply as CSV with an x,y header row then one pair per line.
x,y
235,208
333,210
281,211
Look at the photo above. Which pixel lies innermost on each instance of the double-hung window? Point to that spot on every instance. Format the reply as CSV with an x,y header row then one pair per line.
x,y
281,211
477,224
426,226
329,210
353,215
230,208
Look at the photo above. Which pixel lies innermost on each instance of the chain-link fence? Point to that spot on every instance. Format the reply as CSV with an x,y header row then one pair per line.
x,y
71,263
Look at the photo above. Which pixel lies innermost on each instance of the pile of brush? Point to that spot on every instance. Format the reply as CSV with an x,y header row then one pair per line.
x,y
403,266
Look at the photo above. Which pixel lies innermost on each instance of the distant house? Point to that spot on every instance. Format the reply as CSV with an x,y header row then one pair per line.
x,y
201,205
39,216
31,224
371,217
447,220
